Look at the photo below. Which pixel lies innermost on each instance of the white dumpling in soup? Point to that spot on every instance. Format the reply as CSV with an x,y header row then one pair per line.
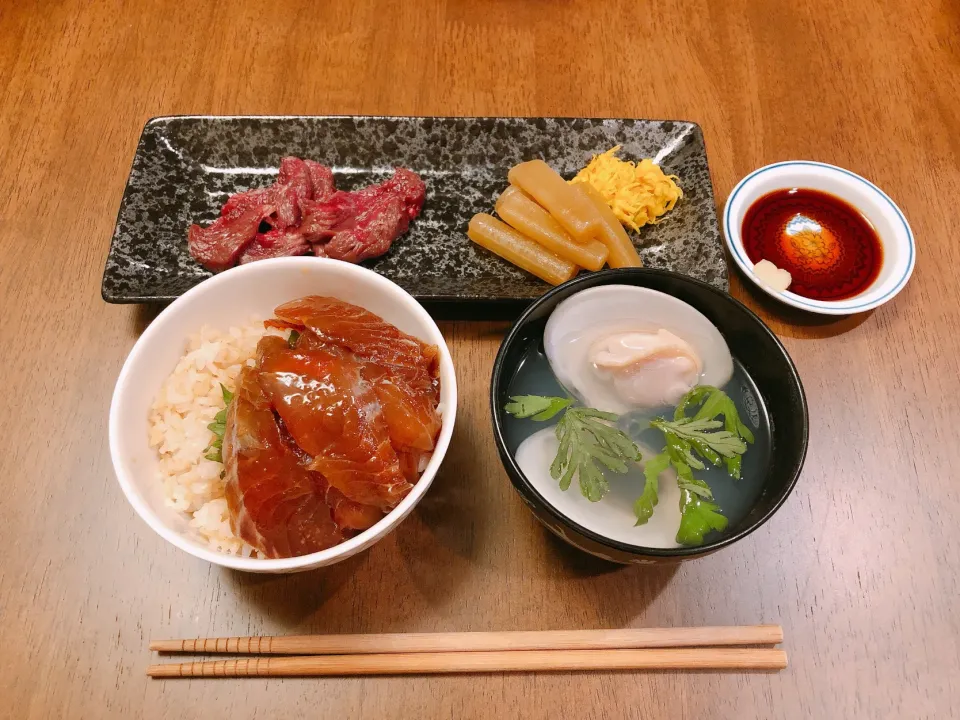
x,y
620,348
647,369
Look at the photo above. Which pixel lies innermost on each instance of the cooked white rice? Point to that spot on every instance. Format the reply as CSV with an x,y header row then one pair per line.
x,y
187,402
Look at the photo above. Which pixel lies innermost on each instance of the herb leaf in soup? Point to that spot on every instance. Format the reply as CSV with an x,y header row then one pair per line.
x,y
644,505
697,519
702,436
588,442
701,433
691,440
536,407
698,513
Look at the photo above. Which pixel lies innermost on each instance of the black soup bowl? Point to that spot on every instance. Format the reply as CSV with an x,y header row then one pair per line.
x,y
751,343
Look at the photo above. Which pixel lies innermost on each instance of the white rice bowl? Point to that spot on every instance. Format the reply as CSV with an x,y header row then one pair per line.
x,y
186,404
169,391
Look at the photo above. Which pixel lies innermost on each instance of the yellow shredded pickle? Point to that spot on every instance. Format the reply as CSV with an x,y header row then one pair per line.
x,y
638,193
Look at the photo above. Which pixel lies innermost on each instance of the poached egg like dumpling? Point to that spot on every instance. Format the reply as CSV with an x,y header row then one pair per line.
x,y
647,369
619,348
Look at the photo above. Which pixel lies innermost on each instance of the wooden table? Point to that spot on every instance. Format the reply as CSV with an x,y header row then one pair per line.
x,y
861,564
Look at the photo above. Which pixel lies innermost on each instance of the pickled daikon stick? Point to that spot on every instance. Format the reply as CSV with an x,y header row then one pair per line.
x,y
612,234
524,215
497,237
569,208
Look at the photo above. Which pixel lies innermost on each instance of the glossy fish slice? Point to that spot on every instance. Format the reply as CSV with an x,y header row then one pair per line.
x,y
365,334
334,415
411,416
402,370
274,504
351,515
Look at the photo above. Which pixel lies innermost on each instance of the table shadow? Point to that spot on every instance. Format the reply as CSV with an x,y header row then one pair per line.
x,y
635,587
801,324
291,600
435,547
449,524
144,315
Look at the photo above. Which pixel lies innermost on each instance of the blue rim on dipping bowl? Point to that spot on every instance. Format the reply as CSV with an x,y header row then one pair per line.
x,y
751,344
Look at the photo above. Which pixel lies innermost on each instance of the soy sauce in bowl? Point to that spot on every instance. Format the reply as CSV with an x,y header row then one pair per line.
x,y
830,249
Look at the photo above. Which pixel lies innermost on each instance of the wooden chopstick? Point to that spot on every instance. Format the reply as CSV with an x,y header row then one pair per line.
x,y
480,641
481,662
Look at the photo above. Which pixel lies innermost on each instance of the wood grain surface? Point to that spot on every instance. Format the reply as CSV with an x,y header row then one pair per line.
x,y
861,564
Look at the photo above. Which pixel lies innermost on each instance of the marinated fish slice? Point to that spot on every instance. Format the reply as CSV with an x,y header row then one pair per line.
x,y
612,234
274,504
275,515
501,239
523,214
377,480
362,332
278,489
577,216
333,414
244,503
311,518
412,463
411,416
409,413
351,515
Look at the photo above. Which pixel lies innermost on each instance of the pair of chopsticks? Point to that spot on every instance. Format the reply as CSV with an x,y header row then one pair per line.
x,y
704,648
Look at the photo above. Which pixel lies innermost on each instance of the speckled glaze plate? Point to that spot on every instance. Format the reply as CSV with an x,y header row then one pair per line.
x,y
186,167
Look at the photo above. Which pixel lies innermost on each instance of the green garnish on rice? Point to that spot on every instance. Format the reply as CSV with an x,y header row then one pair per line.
x,y
218,427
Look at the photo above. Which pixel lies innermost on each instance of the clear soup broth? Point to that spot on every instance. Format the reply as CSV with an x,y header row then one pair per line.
x,y
735,497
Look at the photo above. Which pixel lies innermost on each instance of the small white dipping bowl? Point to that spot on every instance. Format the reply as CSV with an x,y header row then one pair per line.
x,y
896,237
230,299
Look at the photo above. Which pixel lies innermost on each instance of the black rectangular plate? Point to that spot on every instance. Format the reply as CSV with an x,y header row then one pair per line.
x,y
186,167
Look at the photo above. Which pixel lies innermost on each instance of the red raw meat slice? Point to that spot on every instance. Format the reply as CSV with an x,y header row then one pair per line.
x,y
408,186
372,231
320,219
321,179
258,198
274,502
332,413
295,173
217,247
350,226
293,185
299,181
355,226
403,184
273,244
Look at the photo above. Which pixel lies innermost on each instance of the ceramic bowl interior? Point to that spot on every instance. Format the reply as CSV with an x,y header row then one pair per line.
x,y
231,299
750,342
896,237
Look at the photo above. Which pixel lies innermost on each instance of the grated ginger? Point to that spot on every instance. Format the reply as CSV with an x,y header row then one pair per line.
x,y
638,193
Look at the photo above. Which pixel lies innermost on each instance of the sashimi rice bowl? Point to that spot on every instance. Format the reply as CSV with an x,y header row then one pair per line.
x,y
283,415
